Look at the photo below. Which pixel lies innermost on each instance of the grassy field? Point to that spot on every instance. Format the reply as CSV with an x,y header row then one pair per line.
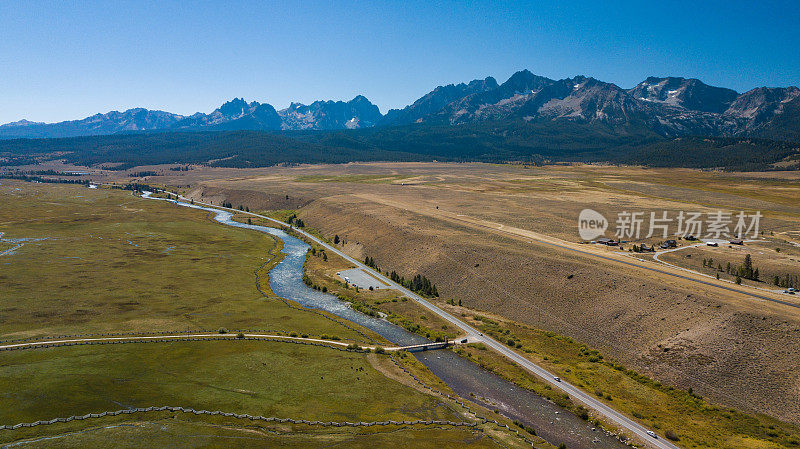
x,y
697,423
255,377
101,260
629,314
110,262
258,378
350,178
177,432
771,258
727,347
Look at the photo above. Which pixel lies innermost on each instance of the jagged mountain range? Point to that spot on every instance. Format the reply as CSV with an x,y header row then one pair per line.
x,y
670,107
236,114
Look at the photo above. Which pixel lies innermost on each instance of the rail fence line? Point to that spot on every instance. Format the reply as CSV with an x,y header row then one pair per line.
x,y
167,340
239,416
224,338
136,333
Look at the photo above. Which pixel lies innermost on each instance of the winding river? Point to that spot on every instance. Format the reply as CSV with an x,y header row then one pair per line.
x,y
467,379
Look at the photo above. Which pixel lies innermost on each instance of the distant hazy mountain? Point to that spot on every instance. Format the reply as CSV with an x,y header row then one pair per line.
x,y
21,123
236,114
670,107
113,122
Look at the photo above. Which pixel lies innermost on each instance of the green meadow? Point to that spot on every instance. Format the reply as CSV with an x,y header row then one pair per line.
x,y
105,260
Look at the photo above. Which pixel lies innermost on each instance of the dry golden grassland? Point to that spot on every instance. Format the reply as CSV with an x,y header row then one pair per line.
x,y
421,218
408,217
112,262
771,258
727,347
695,421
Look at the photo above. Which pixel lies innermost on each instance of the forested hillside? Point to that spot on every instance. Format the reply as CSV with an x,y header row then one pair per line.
x,y
228,149
524,142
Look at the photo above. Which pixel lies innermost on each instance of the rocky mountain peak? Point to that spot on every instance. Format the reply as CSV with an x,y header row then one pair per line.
x,y
670,106
688,93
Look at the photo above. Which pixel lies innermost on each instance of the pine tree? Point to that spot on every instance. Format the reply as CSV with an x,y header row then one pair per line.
x,y
748,267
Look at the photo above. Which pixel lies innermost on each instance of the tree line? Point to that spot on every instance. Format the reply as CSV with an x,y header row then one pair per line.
x,y
292,219
508,141
35,178
418,284
787,281
744,271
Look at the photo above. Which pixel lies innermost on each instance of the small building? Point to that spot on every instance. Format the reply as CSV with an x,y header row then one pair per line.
x,y
669,244
608,241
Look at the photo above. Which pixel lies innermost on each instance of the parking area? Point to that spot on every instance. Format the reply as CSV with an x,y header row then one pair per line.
x,y
360,278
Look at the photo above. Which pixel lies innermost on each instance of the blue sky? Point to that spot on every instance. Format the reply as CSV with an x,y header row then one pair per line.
x,y
66,60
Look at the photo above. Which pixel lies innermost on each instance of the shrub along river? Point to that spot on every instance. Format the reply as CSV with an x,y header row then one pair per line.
x,y
468,380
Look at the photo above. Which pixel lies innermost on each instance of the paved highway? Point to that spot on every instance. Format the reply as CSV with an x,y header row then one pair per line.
x,y
629,426
585,250
657,254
